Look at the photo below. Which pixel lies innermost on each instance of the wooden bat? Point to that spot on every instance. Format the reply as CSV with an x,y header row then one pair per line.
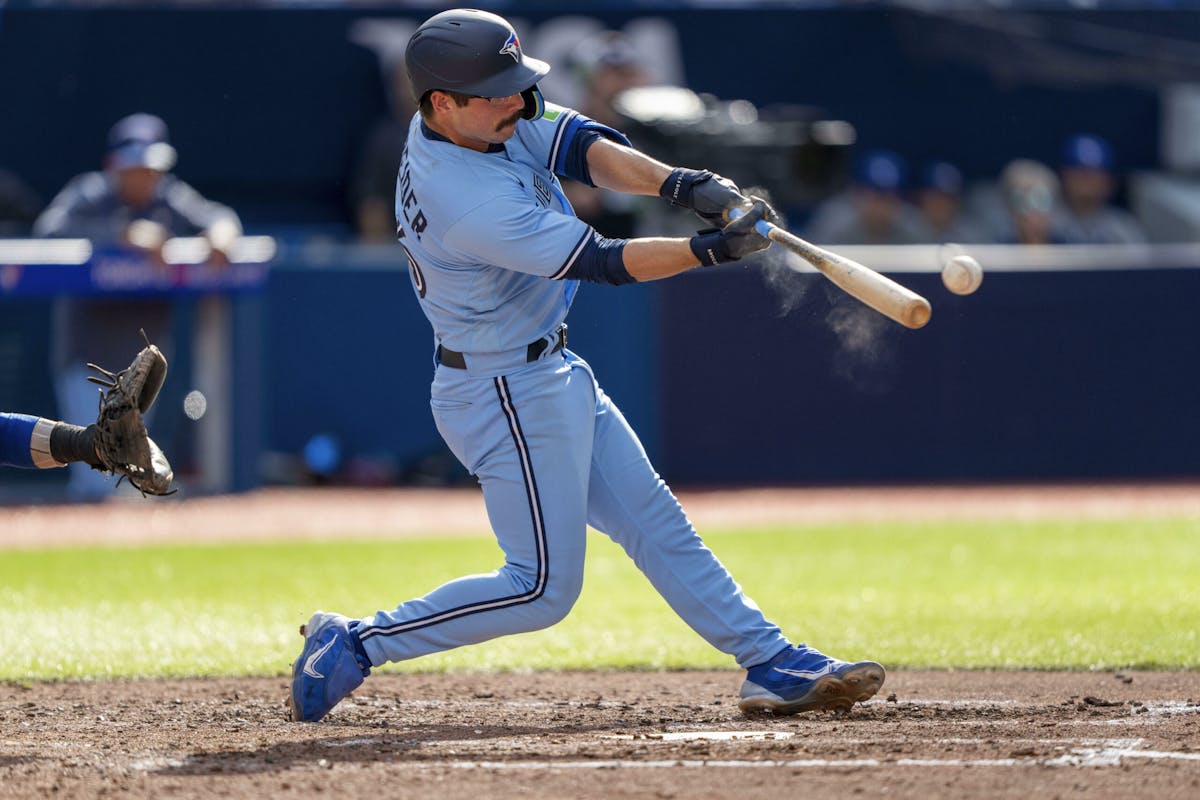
x,y
878,291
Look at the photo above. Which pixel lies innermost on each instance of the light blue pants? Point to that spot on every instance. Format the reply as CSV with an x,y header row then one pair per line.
x,y
553,455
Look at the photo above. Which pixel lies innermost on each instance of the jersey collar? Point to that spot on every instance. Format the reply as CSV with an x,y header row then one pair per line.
x,y
431,134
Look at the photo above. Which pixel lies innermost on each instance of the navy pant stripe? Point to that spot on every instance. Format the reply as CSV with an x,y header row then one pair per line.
x,y
539,532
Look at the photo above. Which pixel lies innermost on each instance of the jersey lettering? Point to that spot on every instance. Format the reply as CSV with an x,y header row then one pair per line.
x,y
542,191
413,215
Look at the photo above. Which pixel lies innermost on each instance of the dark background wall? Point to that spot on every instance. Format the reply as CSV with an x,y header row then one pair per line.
x,y
269,108
1039,375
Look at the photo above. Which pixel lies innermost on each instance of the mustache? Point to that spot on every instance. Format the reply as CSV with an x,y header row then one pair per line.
x,y
504,123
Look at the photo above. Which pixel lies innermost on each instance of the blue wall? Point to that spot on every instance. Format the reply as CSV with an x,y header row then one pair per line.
x,y
1037,375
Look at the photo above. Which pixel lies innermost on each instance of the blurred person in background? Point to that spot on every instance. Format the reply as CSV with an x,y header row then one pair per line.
x,y
605,66
135,203
19,206
1029,190
1086,215
373,189
939,200
872,210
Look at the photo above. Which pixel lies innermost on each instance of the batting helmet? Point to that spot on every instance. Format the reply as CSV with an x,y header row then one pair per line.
x,y
473,52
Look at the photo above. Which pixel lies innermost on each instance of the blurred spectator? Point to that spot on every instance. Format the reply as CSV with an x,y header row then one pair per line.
x,y
605,66
940,203
1030,193
873,210
19,205
1088,184
373,189
135,203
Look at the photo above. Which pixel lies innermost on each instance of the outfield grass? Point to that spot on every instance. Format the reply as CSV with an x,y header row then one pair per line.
x,y
1111,594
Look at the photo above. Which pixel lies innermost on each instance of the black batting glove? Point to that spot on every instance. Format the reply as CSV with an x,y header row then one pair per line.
x,y
707,194
735,241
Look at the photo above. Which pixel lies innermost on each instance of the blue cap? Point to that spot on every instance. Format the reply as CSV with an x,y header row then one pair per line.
x,y
1088,151
140,140
942,176
881,171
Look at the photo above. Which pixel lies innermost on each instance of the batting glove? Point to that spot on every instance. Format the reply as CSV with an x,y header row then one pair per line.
x,y
735,241
706,193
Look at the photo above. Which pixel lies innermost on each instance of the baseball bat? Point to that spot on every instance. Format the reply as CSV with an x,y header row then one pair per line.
x,y
877,291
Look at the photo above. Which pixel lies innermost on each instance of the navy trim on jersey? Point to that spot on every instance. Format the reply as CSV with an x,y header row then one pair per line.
x,y
578,133
601,261
539,533
576,251
560,133
433,135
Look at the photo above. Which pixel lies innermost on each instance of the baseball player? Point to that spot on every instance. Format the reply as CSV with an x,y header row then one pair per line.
x,y
496,257
116,443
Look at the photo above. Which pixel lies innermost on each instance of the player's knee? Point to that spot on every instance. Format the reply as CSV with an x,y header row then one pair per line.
x,y
558,599
550,589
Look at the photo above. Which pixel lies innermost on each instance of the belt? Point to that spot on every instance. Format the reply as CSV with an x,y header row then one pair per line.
x,y
455,359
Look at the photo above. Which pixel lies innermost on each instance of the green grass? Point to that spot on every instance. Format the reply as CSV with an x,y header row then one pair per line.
x,y
969,595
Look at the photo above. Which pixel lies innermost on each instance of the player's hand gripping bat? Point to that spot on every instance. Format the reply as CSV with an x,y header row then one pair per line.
x,y
877,291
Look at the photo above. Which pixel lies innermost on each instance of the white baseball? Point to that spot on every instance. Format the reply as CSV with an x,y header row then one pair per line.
x,y
962,274
195,404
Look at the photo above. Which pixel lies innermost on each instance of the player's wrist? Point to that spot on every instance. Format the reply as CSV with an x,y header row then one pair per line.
x,y
710,247
70,443
677,188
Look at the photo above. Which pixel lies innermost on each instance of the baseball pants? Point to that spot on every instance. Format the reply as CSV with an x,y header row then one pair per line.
x,y
553,454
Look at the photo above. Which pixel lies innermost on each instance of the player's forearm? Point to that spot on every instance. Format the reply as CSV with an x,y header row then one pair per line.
x,y
650,259
622,169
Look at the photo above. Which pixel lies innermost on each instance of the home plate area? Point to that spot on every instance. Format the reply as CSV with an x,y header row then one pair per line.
x,y
633,734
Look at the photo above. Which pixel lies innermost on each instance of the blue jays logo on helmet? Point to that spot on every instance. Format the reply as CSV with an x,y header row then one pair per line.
x,y
512,46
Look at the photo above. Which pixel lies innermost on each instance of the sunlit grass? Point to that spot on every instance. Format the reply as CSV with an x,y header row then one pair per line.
x,y
968,595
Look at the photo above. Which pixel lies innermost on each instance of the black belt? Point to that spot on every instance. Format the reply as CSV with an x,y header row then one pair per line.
x,y
455,359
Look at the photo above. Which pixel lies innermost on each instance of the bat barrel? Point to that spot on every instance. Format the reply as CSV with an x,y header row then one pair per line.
x,y
877,291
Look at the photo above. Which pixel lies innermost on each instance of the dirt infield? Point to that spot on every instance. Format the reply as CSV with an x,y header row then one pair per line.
x,y
596,735
587,735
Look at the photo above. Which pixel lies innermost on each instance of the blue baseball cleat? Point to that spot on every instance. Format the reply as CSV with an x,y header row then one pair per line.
x,y
802,679
329,667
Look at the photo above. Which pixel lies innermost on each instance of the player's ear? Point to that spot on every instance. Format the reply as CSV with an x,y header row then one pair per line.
x,y
440,101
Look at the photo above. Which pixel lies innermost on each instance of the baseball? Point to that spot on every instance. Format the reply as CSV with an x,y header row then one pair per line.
x,y
195,404
962,274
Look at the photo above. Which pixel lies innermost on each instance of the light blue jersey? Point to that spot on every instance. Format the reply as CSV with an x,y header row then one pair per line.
x,y
483,232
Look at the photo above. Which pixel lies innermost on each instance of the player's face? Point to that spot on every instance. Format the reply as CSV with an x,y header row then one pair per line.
x,y
484,121
136,185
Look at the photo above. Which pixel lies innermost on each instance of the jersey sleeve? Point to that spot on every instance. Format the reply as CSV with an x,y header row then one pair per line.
x,y
195,210
563,135
511,232
75,212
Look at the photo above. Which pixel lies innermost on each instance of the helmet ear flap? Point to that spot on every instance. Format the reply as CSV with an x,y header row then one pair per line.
x,y
535,104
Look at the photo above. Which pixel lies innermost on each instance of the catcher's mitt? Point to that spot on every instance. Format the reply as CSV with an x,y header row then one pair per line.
x,y
122,443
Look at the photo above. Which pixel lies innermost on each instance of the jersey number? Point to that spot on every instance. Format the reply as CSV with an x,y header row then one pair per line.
x,y
418,278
